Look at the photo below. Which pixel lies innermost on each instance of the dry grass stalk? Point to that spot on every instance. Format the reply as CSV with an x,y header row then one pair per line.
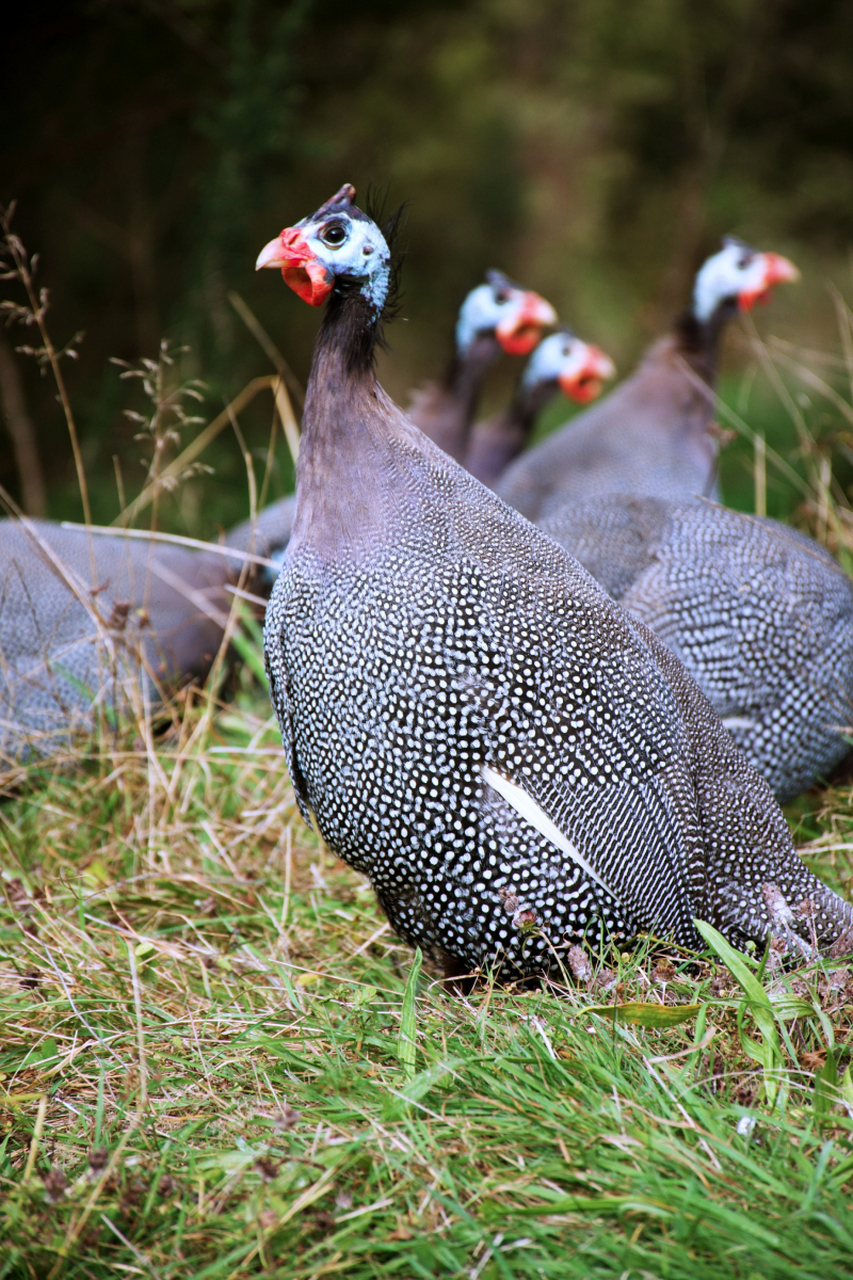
x,y
22,267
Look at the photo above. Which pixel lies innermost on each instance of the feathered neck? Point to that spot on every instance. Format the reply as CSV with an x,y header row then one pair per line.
x,y
697,341
496,442
352,327
462,386
342,469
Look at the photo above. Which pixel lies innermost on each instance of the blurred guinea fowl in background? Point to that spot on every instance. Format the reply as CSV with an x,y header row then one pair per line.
x,y
759,614
655,433
512,759
90,622
562,362
496,316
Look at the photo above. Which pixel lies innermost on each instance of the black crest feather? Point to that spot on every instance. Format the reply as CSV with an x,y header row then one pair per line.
x,y
499,280
391,224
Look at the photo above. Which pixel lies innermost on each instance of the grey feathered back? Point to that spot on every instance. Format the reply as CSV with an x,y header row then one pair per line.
x,y
71,635
760,615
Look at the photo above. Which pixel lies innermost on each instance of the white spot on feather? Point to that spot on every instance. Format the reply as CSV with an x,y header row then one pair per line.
x,y
739,722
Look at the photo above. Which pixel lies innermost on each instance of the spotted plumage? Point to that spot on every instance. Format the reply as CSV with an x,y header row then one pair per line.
x,y
92,626
759,614
513,761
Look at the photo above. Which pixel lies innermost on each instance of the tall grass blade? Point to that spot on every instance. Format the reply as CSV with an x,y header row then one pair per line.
x,y
768,1051
406,1042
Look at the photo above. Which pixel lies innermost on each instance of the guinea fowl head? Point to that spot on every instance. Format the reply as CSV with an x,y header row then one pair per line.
x,y
576,366
514,315
737,277
338,248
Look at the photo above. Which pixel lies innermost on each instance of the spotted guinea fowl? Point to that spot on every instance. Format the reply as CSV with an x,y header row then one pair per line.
x,y
759,614
82,619
561,361
496,316
512,760
654,433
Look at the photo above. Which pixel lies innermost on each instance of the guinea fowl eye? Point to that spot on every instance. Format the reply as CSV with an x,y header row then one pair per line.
x,y
745,260
334,236
502,296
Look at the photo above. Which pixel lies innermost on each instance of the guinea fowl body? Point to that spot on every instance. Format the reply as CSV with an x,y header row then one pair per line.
x,y
627,443
512,760
162,610
655,433
760,615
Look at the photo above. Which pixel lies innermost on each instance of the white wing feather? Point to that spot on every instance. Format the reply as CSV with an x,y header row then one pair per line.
x,y
527,809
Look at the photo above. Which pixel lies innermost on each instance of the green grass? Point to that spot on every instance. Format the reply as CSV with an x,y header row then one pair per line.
x,y
217,1062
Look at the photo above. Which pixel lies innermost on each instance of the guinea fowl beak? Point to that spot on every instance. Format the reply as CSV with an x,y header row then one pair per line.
x,y
301,269
587,369
519,333
776,270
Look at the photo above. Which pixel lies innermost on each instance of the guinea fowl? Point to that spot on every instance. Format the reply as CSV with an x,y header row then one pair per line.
x,y
561,361
496,316
760,615
655,433
77,613
512,760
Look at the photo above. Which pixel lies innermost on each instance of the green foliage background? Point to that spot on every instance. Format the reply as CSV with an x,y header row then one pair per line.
x,y
595,149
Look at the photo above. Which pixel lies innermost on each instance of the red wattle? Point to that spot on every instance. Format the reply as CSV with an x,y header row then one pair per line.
x,y
582,388
519,341
777,270
310,281
521,331
301,269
